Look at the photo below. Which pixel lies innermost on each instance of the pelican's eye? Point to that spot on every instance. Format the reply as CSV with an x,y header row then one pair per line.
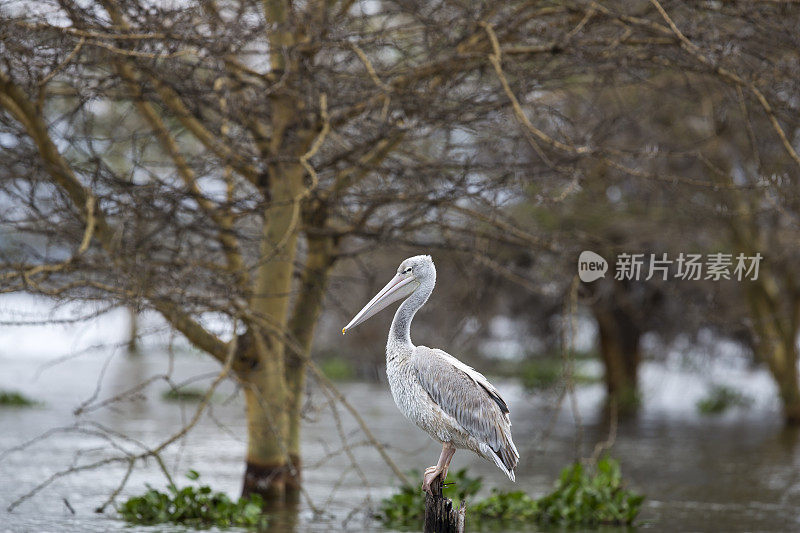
x,y
407,270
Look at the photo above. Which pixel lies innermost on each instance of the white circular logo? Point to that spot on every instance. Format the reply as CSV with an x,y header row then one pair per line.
x,y
591,266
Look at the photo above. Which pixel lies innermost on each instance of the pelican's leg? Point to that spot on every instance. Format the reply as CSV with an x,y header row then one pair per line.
x,y
451,451
441,467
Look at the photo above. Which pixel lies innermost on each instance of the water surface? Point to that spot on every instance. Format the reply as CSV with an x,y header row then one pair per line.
x,y
737,472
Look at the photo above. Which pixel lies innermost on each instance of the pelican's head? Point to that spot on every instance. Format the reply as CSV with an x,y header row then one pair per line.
x,y
412,274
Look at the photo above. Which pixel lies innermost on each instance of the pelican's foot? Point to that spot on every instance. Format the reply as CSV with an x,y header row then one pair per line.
x,y
430,474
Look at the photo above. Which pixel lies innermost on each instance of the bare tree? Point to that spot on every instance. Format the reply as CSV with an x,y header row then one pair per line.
x,y
673,139
208,160
216,159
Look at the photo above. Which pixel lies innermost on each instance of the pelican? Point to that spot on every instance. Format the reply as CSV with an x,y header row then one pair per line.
x,y
452,402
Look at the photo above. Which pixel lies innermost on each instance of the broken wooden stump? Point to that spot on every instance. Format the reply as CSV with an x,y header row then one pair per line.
x,y
440,517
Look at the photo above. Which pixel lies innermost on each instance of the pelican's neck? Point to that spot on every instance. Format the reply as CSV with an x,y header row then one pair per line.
x,y
400,331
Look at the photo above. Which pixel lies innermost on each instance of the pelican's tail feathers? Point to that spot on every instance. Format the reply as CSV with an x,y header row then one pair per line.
x,y
506,459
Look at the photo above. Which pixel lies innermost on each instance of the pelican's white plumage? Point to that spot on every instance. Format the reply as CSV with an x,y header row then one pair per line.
x,y
455,404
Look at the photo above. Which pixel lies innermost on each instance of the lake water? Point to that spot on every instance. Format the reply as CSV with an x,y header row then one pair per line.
x,y
737,472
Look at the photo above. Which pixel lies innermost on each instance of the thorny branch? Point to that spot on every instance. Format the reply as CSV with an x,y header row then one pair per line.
x,y
732,76
131,459
161,172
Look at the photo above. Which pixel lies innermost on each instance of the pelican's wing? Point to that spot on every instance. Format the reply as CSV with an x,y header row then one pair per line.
x,y
467,396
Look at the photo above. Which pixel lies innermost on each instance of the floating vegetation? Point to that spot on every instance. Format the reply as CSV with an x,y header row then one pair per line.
x,y
546,372
505,507
196,506
406,509
721,398
15,399
337,368
590,497
184,394
587,497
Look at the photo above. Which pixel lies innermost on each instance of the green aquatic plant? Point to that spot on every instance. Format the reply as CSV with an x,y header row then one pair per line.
x,y
504,507
546,372
587,497
15,399
184,394
196,506
406,509
337,368
721,398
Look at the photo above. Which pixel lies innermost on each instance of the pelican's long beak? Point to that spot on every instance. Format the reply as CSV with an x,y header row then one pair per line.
x,y
401,286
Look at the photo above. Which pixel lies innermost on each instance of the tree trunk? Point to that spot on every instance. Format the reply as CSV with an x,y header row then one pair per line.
x,y
133,331
619,348
788,383
266,396
301,326
779,350
440,517
267,466
775,319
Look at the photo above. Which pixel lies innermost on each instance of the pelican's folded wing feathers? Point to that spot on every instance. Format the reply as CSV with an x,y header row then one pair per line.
x,y
467,396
